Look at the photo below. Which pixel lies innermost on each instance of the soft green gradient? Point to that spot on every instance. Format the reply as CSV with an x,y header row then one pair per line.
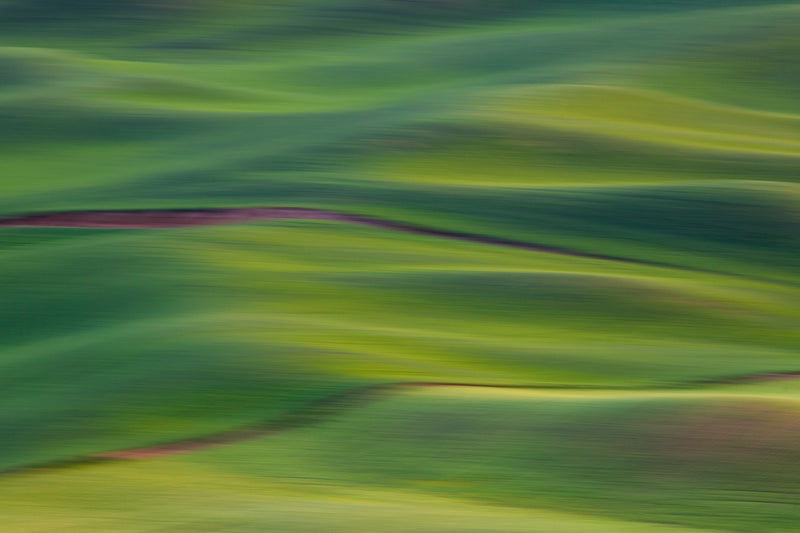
x,y
666,133
123,338
698,459
172,495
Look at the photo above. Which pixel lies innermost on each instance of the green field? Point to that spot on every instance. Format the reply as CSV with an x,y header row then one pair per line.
x,y
636,377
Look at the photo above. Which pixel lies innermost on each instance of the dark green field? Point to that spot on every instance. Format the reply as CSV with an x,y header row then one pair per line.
x,y
562,294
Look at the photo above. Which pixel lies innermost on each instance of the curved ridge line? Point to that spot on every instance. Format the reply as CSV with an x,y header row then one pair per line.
x,y
306,415
354,397
339,402
175,218
316,411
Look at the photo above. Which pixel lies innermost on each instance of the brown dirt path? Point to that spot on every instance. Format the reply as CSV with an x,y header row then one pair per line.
x,y
175,218
331,406
341,402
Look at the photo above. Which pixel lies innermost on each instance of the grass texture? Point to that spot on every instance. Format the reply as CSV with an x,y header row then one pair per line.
x,y
401,381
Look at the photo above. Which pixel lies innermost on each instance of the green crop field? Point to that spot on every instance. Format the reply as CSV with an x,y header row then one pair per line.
x,y
530,266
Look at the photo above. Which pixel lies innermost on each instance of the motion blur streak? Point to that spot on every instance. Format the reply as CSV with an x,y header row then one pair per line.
x,y
400,266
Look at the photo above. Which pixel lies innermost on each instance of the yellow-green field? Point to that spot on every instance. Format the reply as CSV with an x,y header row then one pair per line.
x,y
580,311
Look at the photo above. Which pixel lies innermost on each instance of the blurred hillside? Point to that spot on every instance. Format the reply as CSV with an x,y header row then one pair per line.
x,y
551,277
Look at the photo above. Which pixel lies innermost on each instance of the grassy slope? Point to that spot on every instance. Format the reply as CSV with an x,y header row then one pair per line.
x,y
720,460
171,495
391,124
156,335
626,128
713,459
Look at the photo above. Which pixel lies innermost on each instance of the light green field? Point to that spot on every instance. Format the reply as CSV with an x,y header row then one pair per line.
x,y
174,496
461,459
663,136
